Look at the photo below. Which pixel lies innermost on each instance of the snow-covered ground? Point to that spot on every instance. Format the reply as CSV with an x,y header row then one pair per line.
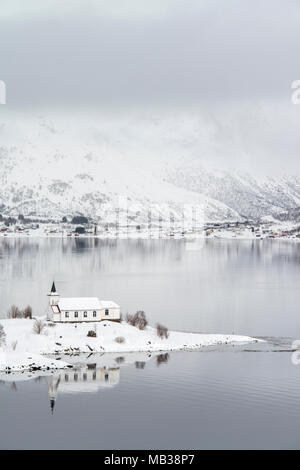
x,y
18,361
23,347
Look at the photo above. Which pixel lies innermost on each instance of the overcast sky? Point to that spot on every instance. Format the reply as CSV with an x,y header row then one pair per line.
x,y
218,56
158,51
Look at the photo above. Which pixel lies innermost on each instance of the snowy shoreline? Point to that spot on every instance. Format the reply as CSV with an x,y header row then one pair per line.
x,y
189,237
25,350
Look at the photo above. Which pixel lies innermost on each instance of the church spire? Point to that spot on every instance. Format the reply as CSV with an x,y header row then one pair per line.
x,y
52,405
53,296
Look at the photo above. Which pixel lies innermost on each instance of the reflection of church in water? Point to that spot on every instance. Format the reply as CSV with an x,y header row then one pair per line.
x,y
88,379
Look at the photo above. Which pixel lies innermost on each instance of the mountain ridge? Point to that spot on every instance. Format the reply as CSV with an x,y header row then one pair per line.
x,y
63,165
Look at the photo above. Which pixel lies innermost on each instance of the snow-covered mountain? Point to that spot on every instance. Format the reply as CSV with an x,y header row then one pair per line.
x,y
64,166
250,197
67,164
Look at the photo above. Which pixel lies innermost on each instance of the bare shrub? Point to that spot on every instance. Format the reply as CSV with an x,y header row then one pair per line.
x,y
129,319
2,336
38,327
162,331
120,340
27,312
92,334
138,319
141,320
14,312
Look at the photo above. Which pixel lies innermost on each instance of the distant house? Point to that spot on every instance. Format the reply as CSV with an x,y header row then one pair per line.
x,y
81,309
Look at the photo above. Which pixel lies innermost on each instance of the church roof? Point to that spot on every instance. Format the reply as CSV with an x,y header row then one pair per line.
x,y
84,303
79,303
53,289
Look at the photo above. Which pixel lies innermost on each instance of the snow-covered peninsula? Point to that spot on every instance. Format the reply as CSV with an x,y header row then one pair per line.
x,y
25,349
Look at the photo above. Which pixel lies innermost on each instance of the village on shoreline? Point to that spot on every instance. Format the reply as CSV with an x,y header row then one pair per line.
x,y
83,227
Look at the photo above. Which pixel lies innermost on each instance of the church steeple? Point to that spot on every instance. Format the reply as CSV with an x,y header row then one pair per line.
x,y
53,295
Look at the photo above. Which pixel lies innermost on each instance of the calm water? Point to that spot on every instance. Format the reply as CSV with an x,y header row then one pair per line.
x,y
234,397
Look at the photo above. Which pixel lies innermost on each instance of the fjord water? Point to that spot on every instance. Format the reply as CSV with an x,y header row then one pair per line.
x,y
229,397
246,287
187,400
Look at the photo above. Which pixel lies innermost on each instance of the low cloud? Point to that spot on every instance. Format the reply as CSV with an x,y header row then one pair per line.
x,y
161,52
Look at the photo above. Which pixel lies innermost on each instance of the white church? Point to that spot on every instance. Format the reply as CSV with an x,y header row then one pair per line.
x,y
81,309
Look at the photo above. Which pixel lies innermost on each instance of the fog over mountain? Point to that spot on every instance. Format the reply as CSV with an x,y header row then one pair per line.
x,y
156,101
75,163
